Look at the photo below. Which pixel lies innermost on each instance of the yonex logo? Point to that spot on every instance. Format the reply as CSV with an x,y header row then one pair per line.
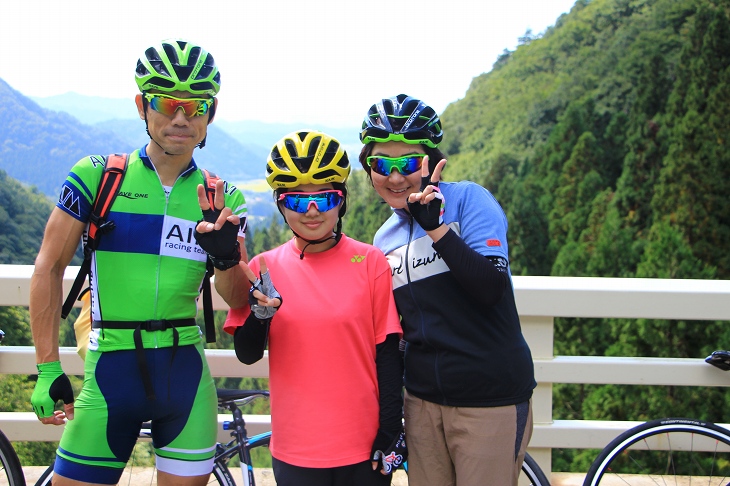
x,y
357,258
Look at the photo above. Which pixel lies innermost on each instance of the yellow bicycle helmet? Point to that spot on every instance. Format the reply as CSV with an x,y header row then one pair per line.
x,y
306,157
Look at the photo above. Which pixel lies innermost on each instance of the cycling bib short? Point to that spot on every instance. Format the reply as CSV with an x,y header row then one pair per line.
x,y
98,442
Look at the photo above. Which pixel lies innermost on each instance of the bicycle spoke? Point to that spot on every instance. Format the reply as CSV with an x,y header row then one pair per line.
x,y
669,452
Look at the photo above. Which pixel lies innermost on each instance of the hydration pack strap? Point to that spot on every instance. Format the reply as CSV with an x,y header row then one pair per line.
x,y
209,181
111,181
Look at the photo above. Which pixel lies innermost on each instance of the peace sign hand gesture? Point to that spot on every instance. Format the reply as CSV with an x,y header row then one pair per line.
x,y
217,232
263,297
427,206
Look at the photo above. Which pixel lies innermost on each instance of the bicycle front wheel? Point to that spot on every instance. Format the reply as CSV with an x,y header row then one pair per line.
x,y
666,451
531,474
12,472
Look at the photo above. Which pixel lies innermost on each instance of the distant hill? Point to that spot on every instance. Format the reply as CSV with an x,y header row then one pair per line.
x,y
221,154
90,109
256,137
265,135
23,215
38,146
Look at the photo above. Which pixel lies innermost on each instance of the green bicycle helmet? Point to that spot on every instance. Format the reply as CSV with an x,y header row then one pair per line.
x,y
178,65
403,119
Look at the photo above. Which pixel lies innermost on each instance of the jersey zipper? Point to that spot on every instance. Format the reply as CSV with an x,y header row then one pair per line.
x,y
159,253
411,230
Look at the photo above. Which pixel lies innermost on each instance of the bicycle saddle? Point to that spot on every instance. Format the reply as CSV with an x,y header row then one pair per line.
x,y
720,359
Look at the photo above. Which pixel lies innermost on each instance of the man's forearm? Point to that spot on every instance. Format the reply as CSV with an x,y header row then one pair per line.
x,y
232,285
46,288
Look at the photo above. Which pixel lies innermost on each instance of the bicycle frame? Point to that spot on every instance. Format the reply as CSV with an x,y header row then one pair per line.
x,y
241,443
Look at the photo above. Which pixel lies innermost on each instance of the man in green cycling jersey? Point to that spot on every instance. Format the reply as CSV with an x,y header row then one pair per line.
x,y
145,360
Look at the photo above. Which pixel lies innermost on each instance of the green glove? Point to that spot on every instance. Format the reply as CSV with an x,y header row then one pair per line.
x,y
52,385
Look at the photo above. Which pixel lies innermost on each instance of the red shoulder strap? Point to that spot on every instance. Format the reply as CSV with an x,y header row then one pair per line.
x,y
111,182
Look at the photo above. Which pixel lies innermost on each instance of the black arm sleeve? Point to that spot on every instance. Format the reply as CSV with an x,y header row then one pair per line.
x,y
250,339
477,274
389,365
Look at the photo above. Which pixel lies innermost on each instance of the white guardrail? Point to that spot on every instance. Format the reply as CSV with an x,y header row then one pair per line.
x,y
539,301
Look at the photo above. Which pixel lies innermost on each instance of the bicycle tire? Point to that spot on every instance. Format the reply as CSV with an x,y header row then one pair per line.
x,y
532,473
10,464
46,478
660,449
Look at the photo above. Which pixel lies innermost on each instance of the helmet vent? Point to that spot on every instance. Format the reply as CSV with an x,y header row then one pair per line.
x,y
325,174
207,68
329,154
202,86
171,54
277,159
285,178
161,83
142,69
291,148
156,62
314,146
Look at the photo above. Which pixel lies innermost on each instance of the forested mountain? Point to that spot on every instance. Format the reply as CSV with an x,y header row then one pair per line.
x,y
605,141
23,215
39,146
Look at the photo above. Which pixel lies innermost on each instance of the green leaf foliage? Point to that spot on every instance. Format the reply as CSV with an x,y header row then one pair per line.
x,y
23,216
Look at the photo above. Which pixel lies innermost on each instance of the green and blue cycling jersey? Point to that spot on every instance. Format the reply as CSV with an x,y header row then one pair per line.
x,y
149,267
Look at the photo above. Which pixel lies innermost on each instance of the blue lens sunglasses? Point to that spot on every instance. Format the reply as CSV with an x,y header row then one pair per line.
x,y
301,201
406,165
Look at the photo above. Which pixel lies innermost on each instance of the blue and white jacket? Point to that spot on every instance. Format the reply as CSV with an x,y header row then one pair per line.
x,y
459,352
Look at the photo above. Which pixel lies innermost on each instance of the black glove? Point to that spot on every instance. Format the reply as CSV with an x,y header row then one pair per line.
x,y
221,245
429,216
391,453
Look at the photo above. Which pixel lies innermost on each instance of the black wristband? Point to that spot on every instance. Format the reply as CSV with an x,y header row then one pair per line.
x,y
228,262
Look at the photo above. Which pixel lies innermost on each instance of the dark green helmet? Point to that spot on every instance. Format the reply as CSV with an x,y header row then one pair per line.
x,y
403,119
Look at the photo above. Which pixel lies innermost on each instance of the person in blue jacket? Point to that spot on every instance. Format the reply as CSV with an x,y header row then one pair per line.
x,y
468,370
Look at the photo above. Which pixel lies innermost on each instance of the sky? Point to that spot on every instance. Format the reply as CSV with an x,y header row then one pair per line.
x,y
317,62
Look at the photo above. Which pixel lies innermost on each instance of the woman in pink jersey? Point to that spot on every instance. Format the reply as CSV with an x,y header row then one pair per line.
x,y
335,367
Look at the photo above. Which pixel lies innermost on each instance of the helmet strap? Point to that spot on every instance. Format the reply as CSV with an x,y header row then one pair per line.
x,y
337,237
